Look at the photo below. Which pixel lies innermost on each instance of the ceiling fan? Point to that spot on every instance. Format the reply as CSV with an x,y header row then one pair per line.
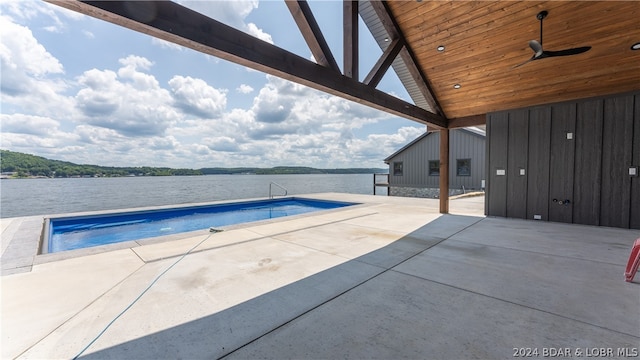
x,y
539,53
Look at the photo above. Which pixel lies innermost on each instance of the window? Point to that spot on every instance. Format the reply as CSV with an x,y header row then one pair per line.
x,y
434,167
463,167
397,168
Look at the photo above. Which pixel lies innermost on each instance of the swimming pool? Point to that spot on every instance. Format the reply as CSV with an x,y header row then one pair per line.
x,y
68,233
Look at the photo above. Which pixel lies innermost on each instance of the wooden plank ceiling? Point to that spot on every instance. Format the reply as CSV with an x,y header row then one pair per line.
x,y
484,40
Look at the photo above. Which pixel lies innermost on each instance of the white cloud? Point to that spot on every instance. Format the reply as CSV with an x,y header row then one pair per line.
x,y
33,134
244,89
163,143
382,145
130,70
253,29
21,53
196,97
316,131
232,13
129,114
31,76
25,10
221,143
102,137
28,124
270,107
131,102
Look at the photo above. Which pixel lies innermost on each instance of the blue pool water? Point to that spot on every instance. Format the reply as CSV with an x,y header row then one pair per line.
x,y
86,231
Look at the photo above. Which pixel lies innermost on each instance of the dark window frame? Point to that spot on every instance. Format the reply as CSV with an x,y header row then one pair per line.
x,y
398,168
460,167
434,171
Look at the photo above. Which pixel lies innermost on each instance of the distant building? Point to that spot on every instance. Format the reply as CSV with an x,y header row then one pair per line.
x,y
414,170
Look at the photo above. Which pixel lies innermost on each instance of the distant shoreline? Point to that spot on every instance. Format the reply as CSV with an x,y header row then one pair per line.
x,y
30,177
15,165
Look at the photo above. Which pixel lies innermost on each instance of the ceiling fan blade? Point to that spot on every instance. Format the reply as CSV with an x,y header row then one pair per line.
x,y
539,53
528,61
536,47
567,52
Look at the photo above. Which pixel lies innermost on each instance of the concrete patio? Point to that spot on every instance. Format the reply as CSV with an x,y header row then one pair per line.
x,y
391,278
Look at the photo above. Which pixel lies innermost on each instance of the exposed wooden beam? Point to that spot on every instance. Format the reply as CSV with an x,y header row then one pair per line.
x,y
444,171
350,39
180,25
466,121
383,63
407,56
312,34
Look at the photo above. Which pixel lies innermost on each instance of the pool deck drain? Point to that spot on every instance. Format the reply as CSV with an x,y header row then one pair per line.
x,y
392,278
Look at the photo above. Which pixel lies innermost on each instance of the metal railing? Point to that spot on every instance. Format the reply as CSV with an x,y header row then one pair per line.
x,y
278,185
384,183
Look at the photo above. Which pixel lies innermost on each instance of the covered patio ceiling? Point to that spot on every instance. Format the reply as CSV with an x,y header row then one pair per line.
x,y
484,41
475,74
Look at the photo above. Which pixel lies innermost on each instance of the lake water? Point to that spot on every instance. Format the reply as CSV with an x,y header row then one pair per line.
x,y
24,197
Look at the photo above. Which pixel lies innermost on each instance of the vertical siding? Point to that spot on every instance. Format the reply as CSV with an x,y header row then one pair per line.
x,y
563,122
415,159
616,158
431,151
635,181
588,163
538,183
498,146
590,169
487,164
416,163
517,162
466,145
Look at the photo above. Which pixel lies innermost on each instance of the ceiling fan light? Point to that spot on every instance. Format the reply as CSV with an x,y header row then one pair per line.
x,y
635,46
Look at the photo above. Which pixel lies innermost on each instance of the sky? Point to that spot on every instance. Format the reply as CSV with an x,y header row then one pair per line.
x,y
78,89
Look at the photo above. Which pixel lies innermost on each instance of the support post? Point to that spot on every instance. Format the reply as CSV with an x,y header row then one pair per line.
x,y
444,171
374,183
350,39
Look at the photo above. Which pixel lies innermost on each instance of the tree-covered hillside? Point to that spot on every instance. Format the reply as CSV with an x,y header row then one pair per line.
x,y
25,165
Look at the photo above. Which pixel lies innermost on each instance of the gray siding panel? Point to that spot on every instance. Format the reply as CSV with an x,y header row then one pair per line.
x,y
635,181
464,145
487,165
539,153
517,162
415,159
498,147
616,158
432,151
563,123
588,163
590,168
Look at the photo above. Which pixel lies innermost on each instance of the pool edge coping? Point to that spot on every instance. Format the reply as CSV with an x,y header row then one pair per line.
x,y
24,264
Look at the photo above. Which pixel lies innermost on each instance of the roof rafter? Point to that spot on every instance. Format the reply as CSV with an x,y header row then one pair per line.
x,y
177,24
312,34
382,65
407,57
473,120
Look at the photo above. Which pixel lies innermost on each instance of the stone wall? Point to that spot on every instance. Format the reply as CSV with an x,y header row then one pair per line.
x,y
433,193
